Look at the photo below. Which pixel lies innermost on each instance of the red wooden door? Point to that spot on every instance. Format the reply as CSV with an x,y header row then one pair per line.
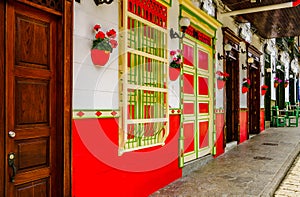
x,y
32,166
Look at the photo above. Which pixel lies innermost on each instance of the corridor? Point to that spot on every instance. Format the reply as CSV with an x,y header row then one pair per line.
x,y
253,168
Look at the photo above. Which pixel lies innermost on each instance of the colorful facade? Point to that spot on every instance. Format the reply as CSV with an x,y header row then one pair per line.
x,y
111,98
139,124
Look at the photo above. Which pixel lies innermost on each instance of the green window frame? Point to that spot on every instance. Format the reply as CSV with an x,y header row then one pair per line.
x,y
144,118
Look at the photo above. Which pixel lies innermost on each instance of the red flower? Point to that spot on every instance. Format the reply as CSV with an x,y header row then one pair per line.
x,y
100,35
219,72
97,27
264,87
225,74
172,53
246,80
113,43
104,40
111,33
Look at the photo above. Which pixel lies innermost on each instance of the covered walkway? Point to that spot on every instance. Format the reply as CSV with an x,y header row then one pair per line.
x,y
253,168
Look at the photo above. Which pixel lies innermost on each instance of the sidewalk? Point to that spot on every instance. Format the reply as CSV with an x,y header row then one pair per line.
x,y
253,168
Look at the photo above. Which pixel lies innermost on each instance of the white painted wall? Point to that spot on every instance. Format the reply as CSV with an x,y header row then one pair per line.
x,y
273,66
173,44
243,74
94,87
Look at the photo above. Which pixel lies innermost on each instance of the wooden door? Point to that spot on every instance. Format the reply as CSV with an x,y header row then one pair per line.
x,y
267,98
232,100
280,90
254,99
32,96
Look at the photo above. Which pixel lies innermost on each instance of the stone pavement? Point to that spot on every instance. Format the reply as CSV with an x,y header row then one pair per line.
x,y
253,168
290,186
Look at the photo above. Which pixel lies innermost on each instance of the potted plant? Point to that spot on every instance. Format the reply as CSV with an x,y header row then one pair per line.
x,y
175,64
246,85
264,89
221,79
276,82
103,45
286,83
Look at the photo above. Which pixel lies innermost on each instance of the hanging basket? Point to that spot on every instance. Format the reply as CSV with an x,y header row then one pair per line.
x,y
263,92
286,85
276,84
174,73
99,57
220,83
244,89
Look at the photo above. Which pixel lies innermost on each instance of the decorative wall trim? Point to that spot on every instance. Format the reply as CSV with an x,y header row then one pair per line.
x,y
219,111
92,114
56,5
199,19
165,2
244,109
175,111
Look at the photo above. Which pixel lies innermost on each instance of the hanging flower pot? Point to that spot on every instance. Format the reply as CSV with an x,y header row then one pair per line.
x,y
245,85
286,85
244,89
264,89
221,79
99,57
220,83
173,73
175,64
103,45
276,82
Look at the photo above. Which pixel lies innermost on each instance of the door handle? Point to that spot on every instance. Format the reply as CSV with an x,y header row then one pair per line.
x,y
11,163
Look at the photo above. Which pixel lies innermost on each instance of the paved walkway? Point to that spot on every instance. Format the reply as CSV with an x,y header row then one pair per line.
x,y
253,168
290,186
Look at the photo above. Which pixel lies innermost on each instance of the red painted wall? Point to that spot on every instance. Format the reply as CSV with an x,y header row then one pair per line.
x,y
219,134
243,126
99,171
262,120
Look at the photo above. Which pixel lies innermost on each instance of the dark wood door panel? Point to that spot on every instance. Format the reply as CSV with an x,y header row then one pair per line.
x,y
35,188
32,154
32,41
33,100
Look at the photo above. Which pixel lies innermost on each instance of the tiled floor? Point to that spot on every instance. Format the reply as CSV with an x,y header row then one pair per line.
x,y
253,168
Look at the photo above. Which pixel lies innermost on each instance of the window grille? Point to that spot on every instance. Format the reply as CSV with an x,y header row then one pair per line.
x,y
144,75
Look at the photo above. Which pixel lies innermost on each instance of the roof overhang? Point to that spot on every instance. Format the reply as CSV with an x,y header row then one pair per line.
x,y
271,18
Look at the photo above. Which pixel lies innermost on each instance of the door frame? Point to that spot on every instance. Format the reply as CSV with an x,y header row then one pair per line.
x,y
2,93
230,37
64,91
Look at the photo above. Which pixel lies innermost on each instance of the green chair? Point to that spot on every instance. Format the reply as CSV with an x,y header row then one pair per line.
x,y
293,119
287,105
277,119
